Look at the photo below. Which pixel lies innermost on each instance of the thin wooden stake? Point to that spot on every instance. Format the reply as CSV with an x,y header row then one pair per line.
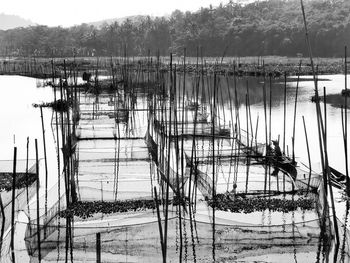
x,y
295,113
2,224
284,112
98,247
159,222
13,204
45,160
308,155
346,122
37,199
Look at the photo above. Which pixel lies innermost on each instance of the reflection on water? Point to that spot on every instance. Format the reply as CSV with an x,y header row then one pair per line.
x,y
110,169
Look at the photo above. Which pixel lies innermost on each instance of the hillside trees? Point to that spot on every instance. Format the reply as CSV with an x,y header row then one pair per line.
x,y
271,27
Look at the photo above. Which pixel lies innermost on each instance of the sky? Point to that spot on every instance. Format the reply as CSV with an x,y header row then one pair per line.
x,y
71,12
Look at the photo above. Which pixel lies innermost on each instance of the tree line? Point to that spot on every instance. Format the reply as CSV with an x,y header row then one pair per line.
x,y
271,27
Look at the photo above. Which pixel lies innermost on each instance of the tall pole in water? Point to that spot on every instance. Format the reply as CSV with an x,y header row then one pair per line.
x,y
168,164
213,179
284,112
45,160
346,122
308,155
3,218
37,199
321,132
295,113
13,205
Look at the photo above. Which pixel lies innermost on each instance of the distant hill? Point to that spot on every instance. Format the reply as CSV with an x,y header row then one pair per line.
x,y
13,21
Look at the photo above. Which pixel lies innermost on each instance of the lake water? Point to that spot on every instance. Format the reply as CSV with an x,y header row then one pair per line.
x,y
19,120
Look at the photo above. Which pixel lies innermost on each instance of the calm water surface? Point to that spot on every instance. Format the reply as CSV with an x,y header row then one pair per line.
x,y
19,120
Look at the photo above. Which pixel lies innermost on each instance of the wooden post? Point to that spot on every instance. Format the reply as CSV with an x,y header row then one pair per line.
x,y
213,115
265,117
45,160
98,247
270,108
66,184
159,222
2,223
37,199
346,123
246,108
58,152
168,164
13,204
256,133
327,170
284,112
308,155
295,113
27,183
53,73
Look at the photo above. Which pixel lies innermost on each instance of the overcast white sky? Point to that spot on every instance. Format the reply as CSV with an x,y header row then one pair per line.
x,y
70,12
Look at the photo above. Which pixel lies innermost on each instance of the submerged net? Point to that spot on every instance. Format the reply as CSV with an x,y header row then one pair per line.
x,y
135,237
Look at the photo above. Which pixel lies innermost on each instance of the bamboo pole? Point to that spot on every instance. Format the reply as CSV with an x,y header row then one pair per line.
x,y
256,132
213,165
265,118
247,118
284,112
270,108
328,171
70,152
237,106
183,171
176,144
295,113
231,129
64,152
168,165
193,150
249,112
37,199
346,123
45,160
159,222
27,181
98,247
3,218
318,109
58,152
308,155
12,245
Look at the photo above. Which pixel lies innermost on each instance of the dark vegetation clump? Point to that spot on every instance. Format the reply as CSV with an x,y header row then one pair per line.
x,y
248,205
59,105
22,180
87,209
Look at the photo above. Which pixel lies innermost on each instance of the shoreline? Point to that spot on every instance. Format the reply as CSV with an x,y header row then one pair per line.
x,y
240,66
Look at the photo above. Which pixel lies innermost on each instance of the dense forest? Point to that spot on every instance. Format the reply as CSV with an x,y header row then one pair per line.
x,y
272,27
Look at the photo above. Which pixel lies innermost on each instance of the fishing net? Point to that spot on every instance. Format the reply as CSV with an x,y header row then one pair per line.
x,y
25,189
111,169
135,237
111,117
